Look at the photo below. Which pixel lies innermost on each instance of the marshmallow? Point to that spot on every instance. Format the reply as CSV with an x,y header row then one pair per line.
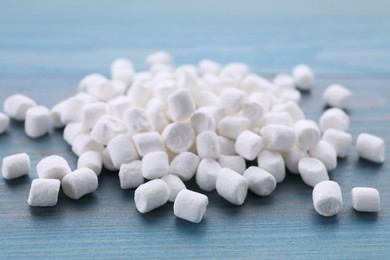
x,y
326,154
130,175
137,120
312,171
122,150
72,130
151,195
106,128
307,133
207,173
37,121
253,83
122,69
290,95
107,161
249,145
117,106
283,81
277,118
235,70
278,137
232,99
17,105
175,185
107,90
207,145
53,167
253,111
71,110
15,166
91,113
365,199
262,99
84,143
184,165
178,137
233,162
260,181
43,193
292,158
292,109
232,186
334,118
92,160
91,80
273,163
371,147
206,98
140,93
216,112
4,122
327,198
339,140
79,183
148,142
157,116
208,67
232,126
181,104
155,165
201,121
226,145
303,77
190,205
337,96
55,114
164,89
158,57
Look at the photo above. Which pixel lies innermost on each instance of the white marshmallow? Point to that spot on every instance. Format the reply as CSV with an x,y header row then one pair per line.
x,y
178,137
233,162
53,167
91,113
365,199
190,205
91,80
4,122
55,114
283,81
226,145
107,90
292,158
148,142
216,112
339,140
72,130
117,106
157,116
137,120
15,166
106,128
207,145
79,183
260,181
71,110
232,99
253,111
107,160
84,143
327,198
312,171
184,165
201,121
122,69
277,118
232,126
130,175
278,137
307,133
208,67
273,163
334,118
17,105
122,150
151,195
292,109
43,193
253,83
290,95
181,104
37,121
262,99
235,70
371,147
337,96
303,77
158,57
249,145
92,160
206,98
207,173
164,89
232,186
140,93
175,185
326,154
155,165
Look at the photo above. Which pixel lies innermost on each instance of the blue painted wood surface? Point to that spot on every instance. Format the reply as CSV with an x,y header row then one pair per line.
x,y
47,46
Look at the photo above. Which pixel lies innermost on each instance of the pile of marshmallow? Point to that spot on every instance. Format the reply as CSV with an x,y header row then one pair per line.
x,y
165,126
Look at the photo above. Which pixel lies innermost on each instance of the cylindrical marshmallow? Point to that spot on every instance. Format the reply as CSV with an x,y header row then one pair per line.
x,y
155,165
365,199
15,165
84,143
17,105
273,163
37,121
181,104
209,67
235,70
327,198
232,186
184,165
71,110
151,195
303,77
201,121
276,118
71,131
4,122
92,160
227,146
206,98
278,137
190,205
292,157
158,57
53,167
91,113
44,193
283,81
207,145
207,173
312,171
178,137
292,109
232,126
249,145
55,114
91,80
119,105
148,142
175,185
339,140
233,162
254,83
334,118
253,111
107,160
232,99
307,133
137,120
106,128
326,154
130,175
337,96
79,183
260,181
371,147
122,150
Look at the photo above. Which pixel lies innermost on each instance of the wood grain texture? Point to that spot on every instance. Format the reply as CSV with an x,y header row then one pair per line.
x,y
45,49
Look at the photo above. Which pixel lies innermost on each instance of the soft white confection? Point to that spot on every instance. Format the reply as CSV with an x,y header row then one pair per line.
x,y
44,193
326,154
71,110
72,130
175,185
107,161
334,118
262,99
273,163
164,88
178,137
235,70
157,115
253,111
53,167
366,199
253,83
233,162
339,140
79,183
307,133
278,137
15,165
37,121
232,126
303,76
190,205
206,98
155,165
92,160
337,96
207,173
117,106
201,121
148,142
292,109
151,195
226,145
55,114
17,105
140,92
181,104
290,95
312,171
122,69
276,118
232,186
91,80
130,175
208,67
106,128
122,150
327,198
232,99
107,90
292,158
260,181
4,122
91,113
84,143
207,145
249,145
371,147
137,120
184,165
216,112
283,81
158,58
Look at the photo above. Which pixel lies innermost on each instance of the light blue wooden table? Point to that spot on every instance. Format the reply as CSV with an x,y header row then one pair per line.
x,y
47,46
